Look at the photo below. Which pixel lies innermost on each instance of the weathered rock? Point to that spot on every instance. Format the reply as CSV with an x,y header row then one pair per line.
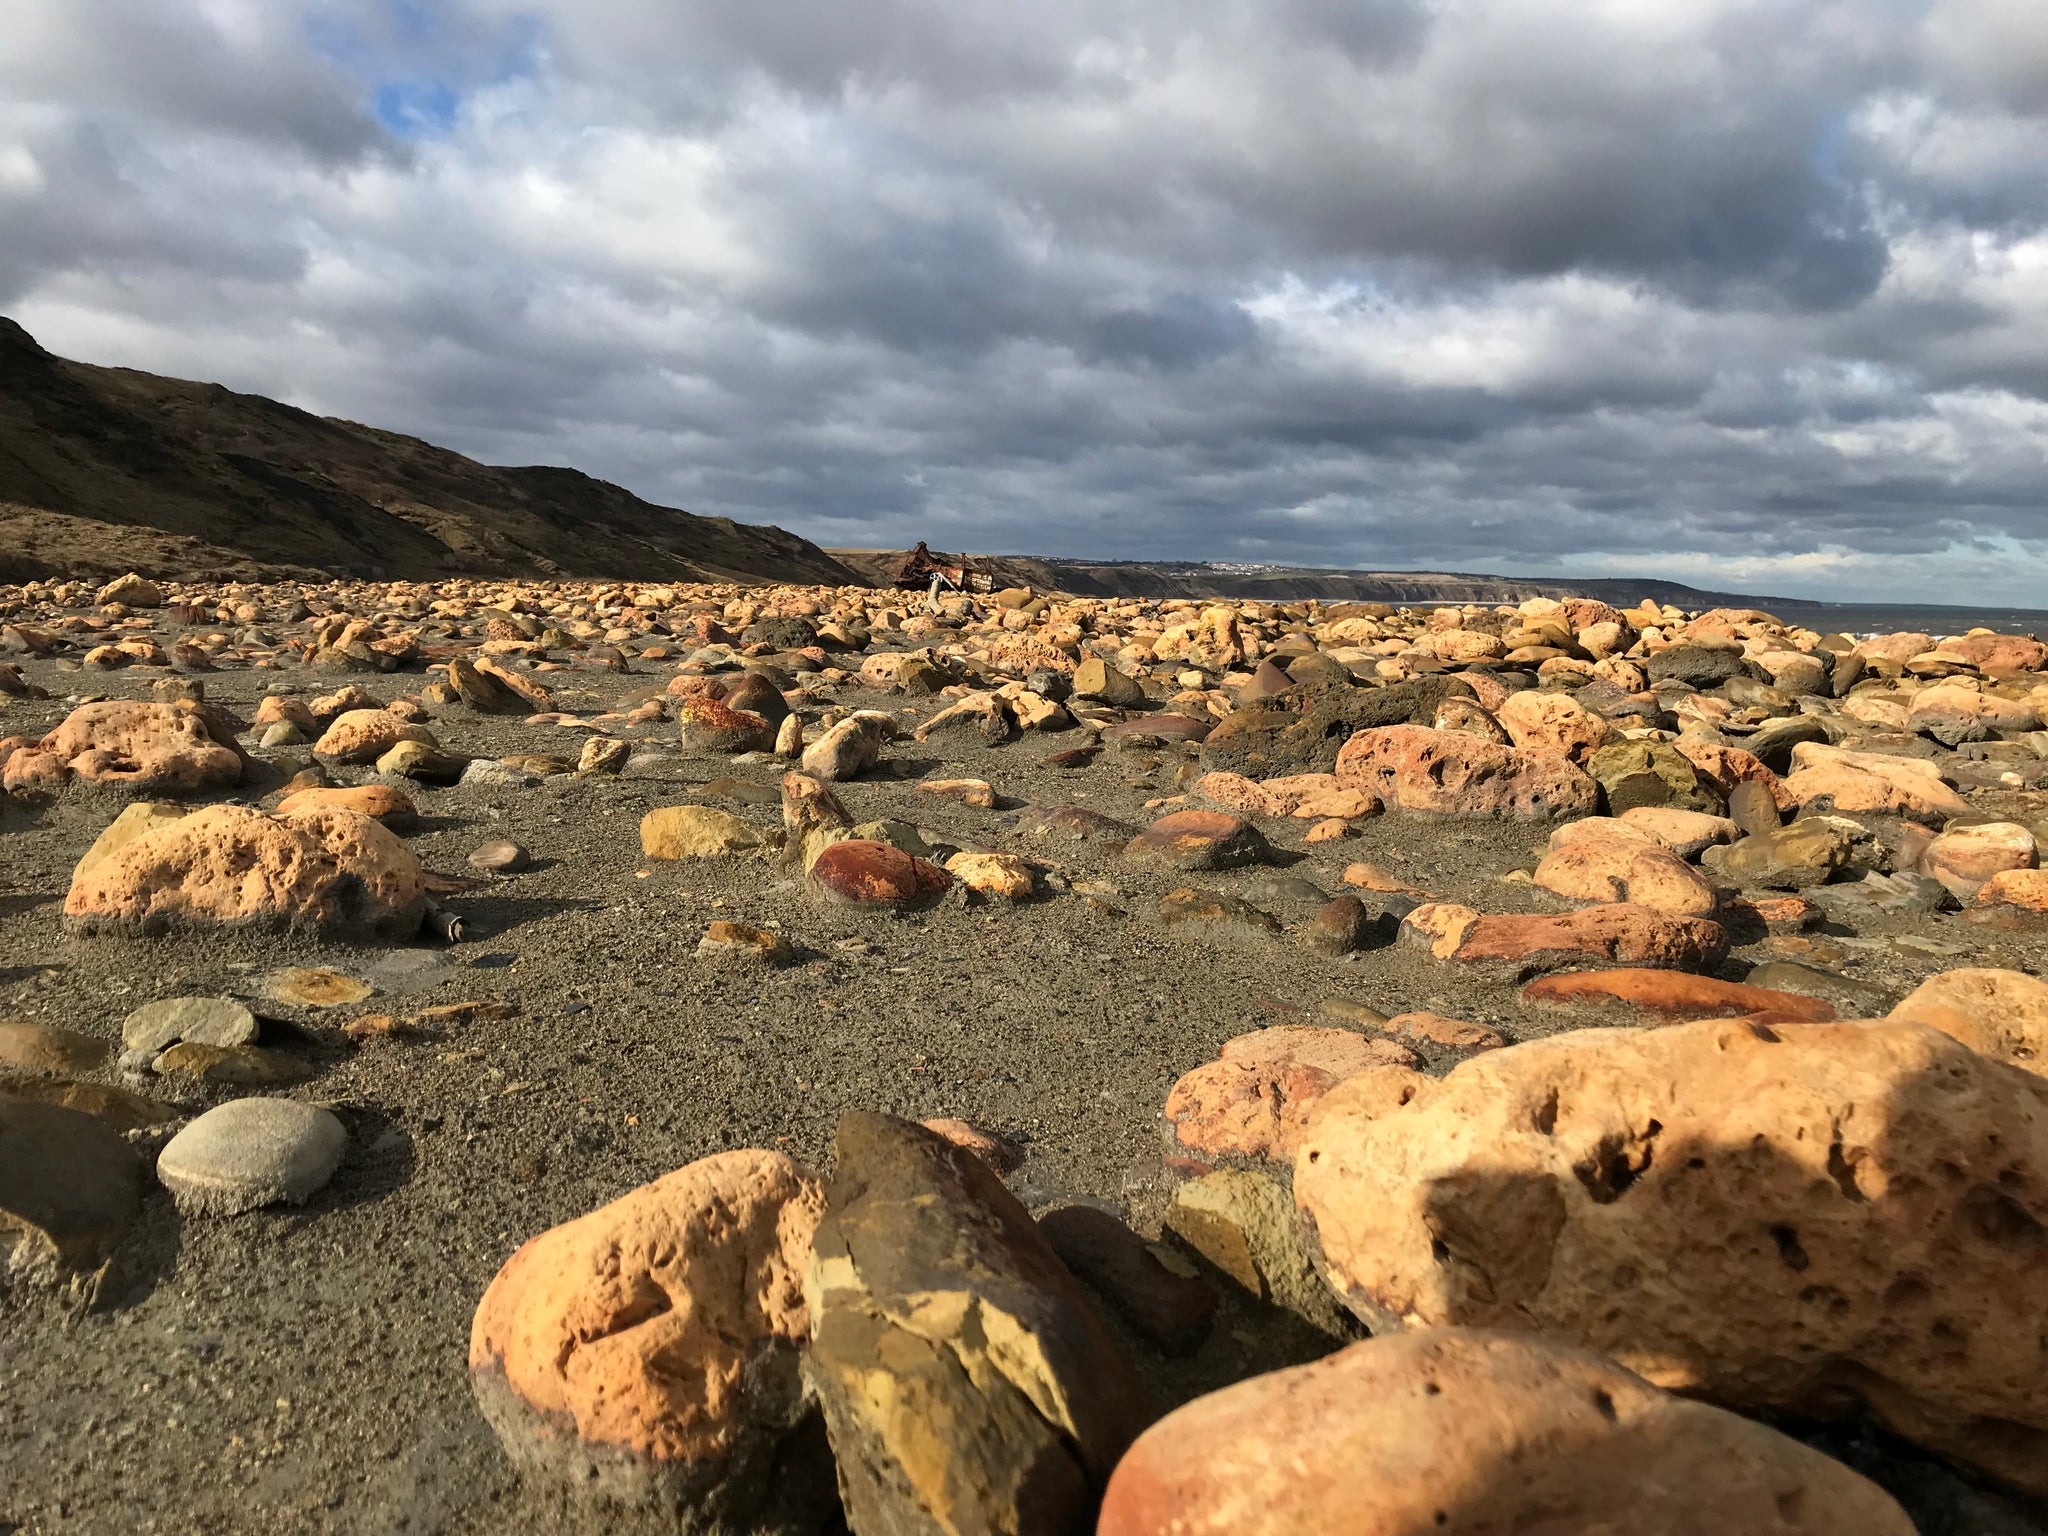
x,y
47,1051
647,1353
423,762
140,749
71,1186
979,713
709,725
1789,857
332,873
1963,858
860,872
364,735
1304,730
118,1107
500,856
1614,869
1169,1305
1676,995
1423,1028
1697,665
1469,1432
1686,833
1095,679
1244,1226
1996,1013
131,591
846,751
231,1066
1198,840
1215,913
695,832
1620,934
1825,779
203,1020
1001,876
1553,722
967,1382
1073,823
252,1152
1453,773
380,802
307,986
1342,926
1646,773
1808,1218
134,820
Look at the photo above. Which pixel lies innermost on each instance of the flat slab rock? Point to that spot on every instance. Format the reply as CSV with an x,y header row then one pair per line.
x,y
252,1152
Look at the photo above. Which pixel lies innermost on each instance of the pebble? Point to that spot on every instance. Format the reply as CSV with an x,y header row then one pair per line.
x,y
500,856
249,1153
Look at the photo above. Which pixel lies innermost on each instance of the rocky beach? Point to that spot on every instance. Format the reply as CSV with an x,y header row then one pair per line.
x,y
495,1053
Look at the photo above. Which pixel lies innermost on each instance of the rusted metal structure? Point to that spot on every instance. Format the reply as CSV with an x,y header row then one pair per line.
x,y
921,569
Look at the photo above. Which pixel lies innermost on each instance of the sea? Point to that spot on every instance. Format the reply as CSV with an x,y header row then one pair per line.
x,y
1920,618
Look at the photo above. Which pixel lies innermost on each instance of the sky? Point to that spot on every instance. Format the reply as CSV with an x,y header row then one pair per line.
x,y
1746,293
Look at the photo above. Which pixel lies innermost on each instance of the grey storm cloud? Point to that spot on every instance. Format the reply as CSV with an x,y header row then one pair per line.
x,y
1746,291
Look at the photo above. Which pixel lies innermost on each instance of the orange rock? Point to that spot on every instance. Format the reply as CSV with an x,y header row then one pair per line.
x,y
1619,934
381,802
1424,1028
1996,653
1825,778
1996,1013
2026,889
1685,833
331,872
1451,772
1963,858
648,1351
1468,1432
1553,722
1645,873
1253,1100
364,735
1677,995
1370,877
145,749
1680,1198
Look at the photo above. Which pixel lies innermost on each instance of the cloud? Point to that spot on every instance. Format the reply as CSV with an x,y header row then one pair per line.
x,y
1659,286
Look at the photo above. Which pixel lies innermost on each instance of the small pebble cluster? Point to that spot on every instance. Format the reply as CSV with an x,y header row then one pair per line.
x,y
1645,1256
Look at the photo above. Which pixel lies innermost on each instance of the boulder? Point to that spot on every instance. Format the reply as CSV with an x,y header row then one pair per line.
x,y
1826,778
1304,729
364,735
1791,857
1094,679
1810,1219
1243,1226
1617,869
1553,722
331,873
647,1353
385,803
1996,1013
1473,1432
251,1152
710,725
180,748
1640,773
1963,858
846,751
968,1382
1453,773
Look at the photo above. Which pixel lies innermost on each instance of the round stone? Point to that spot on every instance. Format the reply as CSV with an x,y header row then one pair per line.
x,y
870,874
201,1020
500,856
251,1152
